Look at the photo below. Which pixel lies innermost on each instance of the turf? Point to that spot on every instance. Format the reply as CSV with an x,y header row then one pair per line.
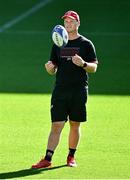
x,y
104,148
25,89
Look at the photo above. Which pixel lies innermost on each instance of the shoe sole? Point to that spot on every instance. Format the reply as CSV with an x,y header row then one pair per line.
x,y
41,167
71,165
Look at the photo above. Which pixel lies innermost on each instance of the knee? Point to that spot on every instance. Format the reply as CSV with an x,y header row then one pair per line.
x,y
57,127
75,126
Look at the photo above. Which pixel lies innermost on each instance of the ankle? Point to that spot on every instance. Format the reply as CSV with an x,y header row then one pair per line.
x,y
49,154
71,152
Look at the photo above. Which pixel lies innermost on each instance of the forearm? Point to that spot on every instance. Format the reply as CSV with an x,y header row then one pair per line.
x,y
90,67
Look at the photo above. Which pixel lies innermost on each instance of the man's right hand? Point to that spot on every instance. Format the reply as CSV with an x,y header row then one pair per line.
x,y
50,67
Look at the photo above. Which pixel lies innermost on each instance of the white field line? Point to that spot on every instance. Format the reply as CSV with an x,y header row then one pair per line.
x,y
24,15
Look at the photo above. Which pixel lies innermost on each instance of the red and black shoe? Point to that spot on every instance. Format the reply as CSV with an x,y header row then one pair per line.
x,y
43,163
71,161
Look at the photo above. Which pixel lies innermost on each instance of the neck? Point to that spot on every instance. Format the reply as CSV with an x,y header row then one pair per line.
x,y
73,35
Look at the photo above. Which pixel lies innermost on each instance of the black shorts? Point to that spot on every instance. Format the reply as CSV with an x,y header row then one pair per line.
x,y
69,105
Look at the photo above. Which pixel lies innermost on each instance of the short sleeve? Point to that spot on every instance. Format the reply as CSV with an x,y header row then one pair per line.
x,y
91,53
54,55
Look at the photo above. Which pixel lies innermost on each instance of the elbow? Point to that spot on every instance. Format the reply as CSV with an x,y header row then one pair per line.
x,y
94,69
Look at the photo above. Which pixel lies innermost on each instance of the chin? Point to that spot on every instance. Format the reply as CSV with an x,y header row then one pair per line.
x,y
70,31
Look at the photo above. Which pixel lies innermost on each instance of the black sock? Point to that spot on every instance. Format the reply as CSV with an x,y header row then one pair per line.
x,y
49,155
71,152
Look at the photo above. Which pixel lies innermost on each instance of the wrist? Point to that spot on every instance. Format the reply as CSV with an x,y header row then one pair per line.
x,y
84,65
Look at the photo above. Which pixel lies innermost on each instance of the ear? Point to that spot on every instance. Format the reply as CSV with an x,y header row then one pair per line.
x,y
78,24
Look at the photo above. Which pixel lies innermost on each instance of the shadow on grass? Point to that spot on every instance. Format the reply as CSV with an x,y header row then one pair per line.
x,y
26,172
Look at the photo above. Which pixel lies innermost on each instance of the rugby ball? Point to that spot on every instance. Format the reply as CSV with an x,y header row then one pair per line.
x,y
59,36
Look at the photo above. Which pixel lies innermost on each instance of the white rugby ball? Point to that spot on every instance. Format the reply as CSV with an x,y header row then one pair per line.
x,y
59,36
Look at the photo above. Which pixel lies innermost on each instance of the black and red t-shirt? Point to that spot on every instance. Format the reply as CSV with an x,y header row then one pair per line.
x,y
68,74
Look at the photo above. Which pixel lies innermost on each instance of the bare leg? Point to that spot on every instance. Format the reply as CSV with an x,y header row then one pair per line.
x,y
74,134
54,136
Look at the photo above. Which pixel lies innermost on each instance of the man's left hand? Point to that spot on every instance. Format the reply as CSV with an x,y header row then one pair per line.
x,y
77,60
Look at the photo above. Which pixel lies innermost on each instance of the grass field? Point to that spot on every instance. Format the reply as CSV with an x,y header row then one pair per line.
x,y
103,152
25,46
25,88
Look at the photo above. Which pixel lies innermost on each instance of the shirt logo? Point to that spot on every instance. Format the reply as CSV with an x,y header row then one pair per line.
x,y
68,52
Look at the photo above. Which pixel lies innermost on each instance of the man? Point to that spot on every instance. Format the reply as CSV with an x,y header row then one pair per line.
x,y
71,65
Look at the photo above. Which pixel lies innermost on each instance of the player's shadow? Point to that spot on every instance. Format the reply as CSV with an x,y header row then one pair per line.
x,y
26,172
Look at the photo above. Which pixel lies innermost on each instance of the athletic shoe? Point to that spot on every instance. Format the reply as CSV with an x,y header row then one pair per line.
x,y
43,163
71,161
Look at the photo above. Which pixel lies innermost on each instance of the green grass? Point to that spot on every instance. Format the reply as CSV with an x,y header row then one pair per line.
x,y
104,149
103,152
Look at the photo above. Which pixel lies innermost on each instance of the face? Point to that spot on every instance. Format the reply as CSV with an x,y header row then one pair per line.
x,y
71,25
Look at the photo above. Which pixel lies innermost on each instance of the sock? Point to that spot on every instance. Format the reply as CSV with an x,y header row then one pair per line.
x,y
71,152
49,155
